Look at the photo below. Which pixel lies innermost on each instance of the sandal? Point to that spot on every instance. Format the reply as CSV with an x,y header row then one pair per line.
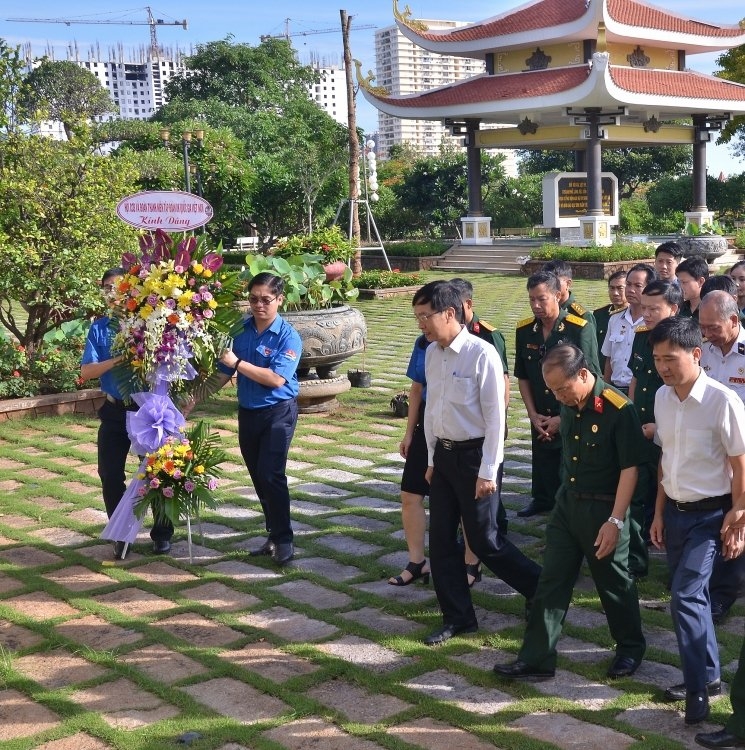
x,y
473,573
415,570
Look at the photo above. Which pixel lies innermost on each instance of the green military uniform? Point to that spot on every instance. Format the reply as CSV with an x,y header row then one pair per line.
x,y
736,723
648,381
574,308
489,333
602,316
686,312
599,441
530,347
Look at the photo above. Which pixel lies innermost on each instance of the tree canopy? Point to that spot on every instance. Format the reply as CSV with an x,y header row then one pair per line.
x,y
732,68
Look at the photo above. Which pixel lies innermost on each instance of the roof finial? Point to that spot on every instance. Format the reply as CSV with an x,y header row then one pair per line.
x,y
366,82
601,46
406,18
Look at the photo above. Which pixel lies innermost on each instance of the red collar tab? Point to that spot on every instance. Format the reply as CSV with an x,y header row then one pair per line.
x,y
599,404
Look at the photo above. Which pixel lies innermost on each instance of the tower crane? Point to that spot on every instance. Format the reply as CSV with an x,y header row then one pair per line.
x,y
152,22
287,33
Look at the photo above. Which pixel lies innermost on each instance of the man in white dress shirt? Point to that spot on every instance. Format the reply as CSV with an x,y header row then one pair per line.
x,y
622,325
464,429
701,430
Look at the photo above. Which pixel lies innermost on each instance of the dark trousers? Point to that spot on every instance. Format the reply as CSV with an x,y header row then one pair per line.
x,y
570,536
727,580
692,540
113,447
736,723
452,498
545,475
641,513
264,437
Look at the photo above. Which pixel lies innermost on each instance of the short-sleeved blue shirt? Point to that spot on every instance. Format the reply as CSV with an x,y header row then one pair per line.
x,y
415,370
277,347
98,349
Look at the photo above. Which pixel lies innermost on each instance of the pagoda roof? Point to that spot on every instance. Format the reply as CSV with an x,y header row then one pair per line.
x,y
551,21
545,95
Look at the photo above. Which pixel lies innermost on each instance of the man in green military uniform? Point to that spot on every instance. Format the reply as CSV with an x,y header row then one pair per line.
x,y
549,326
600,433
617,296
562,269
660,300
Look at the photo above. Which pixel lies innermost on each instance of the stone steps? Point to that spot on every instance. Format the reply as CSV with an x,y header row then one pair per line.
x,y
499,257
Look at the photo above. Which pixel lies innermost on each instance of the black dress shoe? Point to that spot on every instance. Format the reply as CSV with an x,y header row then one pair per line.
x,y
722,739
161,546
678,692
519,670
266,549
718,612
446,632
121,550
623,666
283,553
531,509
697,708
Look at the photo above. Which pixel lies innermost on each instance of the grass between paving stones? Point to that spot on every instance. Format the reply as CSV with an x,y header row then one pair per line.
x,y
48,481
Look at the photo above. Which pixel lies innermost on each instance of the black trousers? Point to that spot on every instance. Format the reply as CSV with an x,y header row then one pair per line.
x,y
452,498
264,437
113,447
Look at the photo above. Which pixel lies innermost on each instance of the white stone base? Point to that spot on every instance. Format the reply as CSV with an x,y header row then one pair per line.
x,y
699,218
476,230
595,230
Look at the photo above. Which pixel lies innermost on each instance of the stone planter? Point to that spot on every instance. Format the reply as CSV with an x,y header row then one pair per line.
x,y
77,402
404,263
710,246
394,291
587,270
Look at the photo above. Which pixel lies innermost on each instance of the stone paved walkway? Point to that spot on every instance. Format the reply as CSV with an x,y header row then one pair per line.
x,y
97,654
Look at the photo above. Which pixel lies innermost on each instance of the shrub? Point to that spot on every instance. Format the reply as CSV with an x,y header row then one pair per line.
x,y
417,248
739,239
329,243
386,279
594,253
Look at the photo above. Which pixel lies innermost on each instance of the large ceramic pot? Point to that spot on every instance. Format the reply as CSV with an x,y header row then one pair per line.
x,y
710,246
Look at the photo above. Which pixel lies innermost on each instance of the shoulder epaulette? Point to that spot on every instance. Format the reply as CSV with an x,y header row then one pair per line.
x,y
581,322
618,310
617,399
578,308
641,329
525,322
489,327
741,348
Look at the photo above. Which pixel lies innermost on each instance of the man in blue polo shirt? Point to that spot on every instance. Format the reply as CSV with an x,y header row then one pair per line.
x,y
265,356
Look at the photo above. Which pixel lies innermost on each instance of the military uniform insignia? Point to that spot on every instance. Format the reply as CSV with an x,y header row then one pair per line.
x,y
487,326
576,307
641,329
560,328
581,322
617,399
618,310
595,428
476,328
525,322
737,381
598,406
741,348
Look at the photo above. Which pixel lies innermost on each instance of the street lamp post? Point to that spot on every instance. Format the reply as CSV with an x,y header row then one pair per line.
x,y
186,141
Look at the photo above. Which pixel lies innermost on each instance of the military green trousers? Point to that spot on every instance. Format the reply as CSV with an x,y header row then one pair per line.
x,y
546,463
570,535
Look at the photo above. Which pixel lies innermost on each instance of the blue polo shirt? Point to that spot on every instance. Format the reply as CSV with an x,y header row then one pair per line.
x,y
98,349
277,347
415,370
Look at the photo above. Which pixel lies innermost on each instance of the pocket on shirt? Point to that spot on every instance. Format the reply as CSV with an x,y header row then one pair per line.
x,y
464,390
700,442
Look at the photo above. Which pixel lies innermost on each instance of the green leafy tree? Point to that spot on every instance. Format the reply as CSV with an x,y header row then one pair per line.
x,y
516,202
11,85
66,92
732,68
58,231
634,167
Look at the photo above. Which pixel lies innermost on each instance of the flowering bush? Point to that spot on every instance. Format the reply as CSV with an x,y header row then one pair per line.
x,y
181,475
330,244
173,313
386,279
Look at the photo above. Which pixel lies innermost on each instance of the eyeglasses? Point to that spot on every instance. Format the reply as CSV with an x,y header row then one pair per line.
x,y
424,317
252,300
108,288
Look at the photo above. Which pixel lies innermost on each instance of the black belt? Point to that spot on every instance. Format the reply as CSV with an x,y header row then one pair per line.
x,y
460,445
720,502
591,496
115,401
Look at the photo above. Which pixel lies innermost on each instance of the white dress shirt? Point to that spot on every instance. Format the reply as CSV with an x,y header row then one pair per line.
x,y
727,369
465,398
617,345
697,436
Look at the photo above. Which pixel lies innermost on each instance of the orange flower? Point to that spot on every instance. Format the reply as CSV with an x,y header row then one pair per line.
x,y
173,319
131,304
169,466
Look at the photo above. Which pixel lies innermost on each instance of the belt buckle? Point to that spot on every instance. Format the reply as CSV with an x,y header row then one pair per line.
x,y
447,444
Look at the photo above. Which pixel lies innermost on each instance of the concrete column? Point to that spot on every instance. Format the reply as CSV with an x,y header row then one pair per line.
x,y
701,135
594,169
473,154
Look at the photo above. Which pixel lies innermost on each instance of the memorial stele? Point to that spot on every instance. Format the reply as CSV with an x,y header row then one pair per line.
x,y
575,74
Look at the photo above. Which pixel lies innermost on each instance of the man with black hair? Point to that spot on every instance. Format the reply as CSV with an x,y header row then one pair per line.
x,y
666,259
549,326
691,273
562,269
701,431
464,429
617,296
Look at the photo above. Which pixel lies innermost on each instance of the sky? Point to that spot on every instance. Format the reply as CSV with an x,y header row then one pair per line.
x,y
248,20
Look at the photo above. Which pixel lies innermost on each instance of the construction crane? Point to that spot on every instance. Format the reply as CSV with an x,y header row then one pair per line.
x,y
152,22
287,33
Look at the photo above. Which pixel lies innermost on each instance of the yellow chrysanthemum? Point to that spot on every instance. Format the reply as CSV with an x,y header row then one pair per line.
x,y
212,304
146,311
199,469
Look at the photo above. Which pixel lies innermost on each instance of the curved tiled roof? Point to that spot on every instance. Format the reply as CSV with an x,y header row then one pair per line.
x,y
496,88
542,14
681,84
642,15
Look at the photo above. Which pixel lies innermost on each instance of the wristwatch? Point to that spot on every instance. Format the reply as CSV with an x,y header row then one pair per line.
x,y
617,522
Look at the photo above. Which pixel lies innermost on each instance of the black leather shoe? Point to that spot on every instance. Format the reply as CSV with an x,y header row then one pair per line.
x,y
161,547
266,549
519,670
283,553
531,509
719,612
623,666
722,739
121,550
446,632
678,692
697,708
